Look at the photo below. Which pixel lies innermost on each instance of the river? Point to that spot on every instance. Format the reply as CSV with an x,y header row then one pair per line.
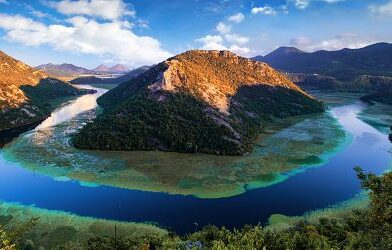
x,y
28,178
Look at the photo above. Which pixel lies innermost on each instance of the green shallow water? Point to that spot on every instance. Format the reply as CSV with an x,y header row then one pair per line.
x,y
378,116
284,149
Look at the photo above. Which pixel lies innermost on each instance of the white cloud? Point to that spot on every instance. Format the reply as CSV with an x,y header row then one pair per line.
x,y
114,40
223,28
333,1
382,10
217,42
237,39
212,42
4,1
237,18
301,41
210,39
266,10
105,9
345,40
225,39
302,4
239,50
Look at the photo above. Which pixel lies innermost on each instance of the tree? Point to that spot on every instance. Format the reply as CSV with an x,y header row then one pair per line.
x,y
380,210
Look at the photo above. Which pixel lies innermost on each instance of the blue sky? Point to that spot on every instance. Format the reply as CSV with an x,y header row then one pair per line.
x,y
139,32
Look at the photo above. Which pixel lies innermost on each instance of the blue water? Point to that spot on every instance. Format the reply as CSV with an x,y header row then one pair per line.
x,y
315,188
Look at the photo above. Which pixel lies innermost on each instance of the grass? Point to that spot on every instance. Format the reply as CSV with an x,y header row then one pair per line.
x,y
280,222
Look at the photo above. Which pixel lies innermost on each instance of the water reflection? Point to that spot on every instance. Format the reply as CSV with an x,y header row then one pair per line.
x,y
72,109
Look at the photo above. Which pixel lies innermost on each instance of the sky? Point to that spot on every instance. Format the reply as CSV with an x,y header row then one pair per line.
x,y
144,32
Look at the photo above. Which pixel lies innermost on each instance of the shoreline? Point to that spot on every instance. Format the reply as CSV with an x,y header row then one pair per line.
x,y
8,134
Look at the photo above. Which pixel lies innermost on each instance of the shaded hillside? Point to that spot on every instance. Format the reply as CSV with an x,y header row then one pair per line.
x,y
199,101
64,70
384,96
118,80
346,65
24,93
363,83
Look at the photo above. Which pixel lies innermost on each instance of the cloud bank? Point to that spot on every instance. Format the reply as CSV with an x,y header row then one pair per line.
x,y
111,40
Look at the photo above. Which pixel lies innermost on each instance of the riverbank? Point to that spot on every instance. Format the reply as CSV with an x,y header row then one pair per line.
x,y
55,228
7,135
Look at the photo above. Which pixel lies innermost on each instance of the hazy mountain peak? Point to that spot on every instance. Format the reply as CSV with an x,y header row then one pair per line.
x,y
286,51
118,68
63,69
102,68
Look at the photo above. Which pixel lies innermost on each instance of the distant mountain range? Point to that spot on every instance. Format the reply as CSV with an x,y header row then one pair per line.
x,y
63,70
69,70
117,80
347,68
118,68
200,101
25,91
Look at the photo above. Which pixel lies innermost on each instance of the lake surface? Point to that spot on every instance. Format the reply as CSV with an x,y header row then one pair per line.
x,y
304,165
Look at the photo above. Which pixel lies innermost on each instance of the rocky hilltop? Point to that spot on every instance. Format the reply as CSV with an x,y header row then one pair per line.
x,y
24,92
198,101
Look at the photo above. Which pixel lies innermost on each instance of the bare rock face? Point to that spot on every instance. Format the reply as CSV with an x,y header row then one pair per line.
x,y
215,76
198,101
13,74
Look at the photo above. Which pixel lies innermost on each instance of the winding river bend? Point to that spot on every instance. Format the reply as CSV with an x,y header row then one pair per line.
x,y
304,165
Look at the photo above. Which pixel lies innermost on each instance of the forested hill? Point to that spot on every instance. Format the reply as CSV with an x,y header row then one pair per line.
x,y
363,69
199,101
24,92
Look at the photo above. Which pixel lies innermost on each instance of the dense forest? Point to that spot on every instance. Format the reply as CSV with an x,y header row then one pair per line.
x,y
180,124
362,84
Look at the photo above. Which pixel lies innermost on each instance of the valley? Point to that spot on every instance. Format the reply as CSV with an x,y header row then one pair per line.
x,y
205,137
25,94
51,164
195,125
